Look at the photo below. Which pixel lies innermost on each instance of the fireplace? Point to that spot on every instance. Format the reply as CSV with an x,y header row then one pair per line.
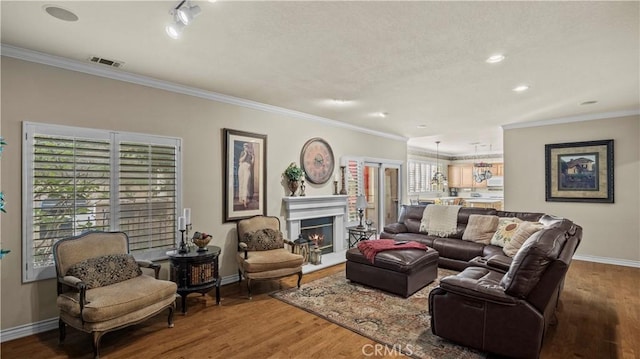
x,y
310,214
318,230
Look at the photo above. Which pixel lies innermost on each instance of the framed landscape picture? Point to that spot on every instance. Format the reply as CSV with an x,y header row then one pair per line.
x,y
579,172
245,191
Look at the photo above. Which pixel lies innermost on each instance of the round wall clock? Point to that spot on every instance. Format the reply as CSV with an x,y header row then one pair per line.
x,y
317,160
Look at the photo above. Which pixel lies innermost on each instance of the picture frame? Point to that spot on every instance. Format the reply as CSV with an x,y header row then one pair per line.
x,y
245,168
579,172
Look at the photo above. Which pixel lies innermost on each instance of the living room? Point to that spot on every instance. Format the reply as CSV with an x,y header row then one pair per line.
x,y
48,89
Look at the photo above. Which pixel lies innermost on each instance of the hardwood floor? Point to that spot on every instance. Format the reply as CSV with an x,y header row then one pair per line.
x,y
599,317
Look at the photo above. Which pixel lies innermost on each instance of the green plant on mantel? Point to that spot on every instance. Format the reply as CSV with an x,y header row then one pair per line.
x,y
293,172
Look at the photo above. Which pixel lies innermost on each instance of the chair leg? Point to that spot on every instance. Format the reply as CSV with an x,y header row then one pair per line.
x,y
299,278
62,330
172,308
239,276
96,344
249,287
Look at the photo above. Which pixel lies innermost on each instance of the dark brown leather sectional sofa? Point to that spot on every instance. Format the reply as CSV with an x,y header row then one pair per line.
x,y
454,252
496,304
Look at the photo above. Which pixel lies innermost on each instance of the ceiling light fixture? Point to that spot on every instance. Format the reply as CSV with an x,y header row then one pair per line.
x,y
421,126
494,59
60,13
521,88
187,12
381,114
182,15
590,102
438,178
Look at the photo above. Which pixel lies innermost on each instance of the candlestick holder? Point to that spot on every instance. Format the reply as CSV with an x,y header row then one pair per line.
x,y
335,187
343,190
183,246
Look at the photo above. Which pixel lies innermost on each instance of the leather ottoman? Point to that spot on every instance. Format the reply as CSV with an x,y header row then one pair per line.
x,y
400,271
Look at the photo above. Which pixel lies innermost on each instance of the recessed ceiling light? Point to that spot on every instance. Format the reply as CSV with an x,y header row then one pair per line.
x,y
590,102
381,114
494,59
340,101
60,13
421,126
521,88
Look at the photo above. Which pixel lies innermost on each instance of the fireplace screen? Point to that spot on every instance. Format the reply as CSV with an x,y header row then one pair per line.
x,y
319,230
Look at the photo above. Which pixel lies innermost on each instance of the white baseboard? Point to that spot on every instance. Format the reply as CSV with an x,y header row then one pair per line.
x,y
607,260
28,329
52,323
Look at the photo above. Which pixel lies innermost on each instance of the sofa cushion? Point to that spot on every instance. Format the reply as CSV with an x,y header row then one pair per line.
x,y
263,239
270,260
108,302
531,261
457,249
480,228
105,270
507,226
522,233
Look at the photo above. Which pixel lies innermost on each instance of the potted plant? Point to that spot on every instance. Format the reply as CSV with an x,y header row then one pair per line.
x,y
293,173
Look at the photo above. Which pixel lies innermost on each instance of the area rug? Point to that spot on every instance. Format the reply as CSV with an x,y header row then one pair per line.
x,y
402,325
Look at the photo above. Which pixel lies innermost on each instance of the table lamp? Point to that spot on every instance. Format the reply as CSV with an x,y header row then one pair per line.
x,y
361,204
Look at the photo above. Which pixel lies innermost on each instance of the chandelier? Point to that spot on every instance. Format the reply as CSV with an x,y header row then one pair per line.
x,y
438,177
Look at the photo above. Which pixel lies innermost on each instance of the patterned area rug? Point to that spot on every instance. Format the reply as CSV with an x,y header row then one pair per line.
x,y
403,325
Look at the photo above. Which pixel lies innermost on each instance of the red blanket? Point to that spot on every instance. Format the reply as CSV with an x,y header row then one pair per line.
x,y
369,248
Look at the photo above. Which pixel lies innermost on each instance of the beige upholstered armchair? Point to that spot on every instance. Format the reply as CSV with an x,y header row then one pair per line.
x,y
261,251
102,288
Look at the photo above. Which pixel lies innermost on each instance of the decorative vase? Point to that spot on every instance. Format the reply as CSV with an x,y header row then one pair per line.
x,y
315,257
293,187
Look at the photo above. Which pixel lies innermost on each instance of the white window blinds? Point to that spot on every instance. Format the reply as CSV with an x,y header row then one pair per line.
x,y
77,180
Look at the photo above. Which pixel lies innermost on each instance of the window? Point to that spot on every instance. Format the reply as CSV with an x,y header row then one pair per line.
x,y
78,180
419,176
354,182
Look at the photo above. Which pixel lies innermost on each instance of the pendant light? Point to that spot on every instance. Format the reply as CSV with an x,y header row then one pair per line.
x,y
438,177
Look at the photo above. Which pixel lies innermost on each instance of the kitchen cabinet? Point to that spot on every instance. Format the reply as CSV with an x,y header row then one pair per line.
x,y
498,169
461,176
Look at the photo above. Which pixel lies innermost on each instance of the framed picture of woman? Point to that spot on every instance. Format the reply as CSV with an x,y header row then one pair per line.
x,y
245,173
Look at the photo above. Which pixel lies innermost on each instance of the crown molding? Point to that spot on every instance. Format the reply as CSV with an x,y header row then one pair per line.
x,y
120,75
579,118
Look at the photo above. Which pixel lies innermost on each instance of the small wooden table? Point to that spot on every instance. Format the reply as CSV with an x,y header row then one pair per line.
x,y
195,272
360,234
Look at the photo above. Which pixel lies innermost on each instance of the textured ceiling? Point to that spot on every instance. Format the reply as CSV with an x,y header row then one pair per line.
x,y
423,63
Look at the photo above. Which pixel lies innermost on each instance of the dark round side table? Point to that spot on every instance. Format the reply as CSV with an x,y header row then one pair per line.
x,y
195,272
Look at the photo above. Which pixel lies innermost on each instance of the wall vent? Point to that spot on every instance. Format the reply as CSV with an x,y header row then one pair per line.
x,y
103,61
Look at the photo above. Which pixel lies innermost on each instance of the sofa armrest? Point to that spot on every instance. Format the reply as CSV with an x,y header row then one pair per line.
x,y
502,263
395,228
477,289
243,247
149,264
79,285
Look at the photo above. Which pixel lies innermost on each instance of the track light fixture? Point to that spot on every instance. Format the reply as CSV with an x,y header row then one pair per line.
x,y
182,15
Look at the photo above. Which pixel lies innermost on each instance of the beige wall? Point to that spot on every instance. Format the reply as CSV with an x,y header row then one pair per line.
x,y
610,230
39,93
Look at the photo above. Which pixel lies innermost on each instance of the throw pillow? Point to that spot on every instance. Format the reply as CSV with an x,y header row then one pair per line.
x,y
480,228
263,240
105,270
524,231
506,228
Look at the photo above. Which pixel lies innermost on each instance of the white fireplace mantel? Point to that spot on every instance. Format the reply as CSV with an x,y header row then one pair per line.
x,y
299,208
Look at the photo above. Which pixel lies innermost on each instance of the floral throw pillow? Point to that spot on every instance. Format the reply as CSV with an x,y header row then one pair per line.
x,y
263,240
507,227
524,231
105,270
